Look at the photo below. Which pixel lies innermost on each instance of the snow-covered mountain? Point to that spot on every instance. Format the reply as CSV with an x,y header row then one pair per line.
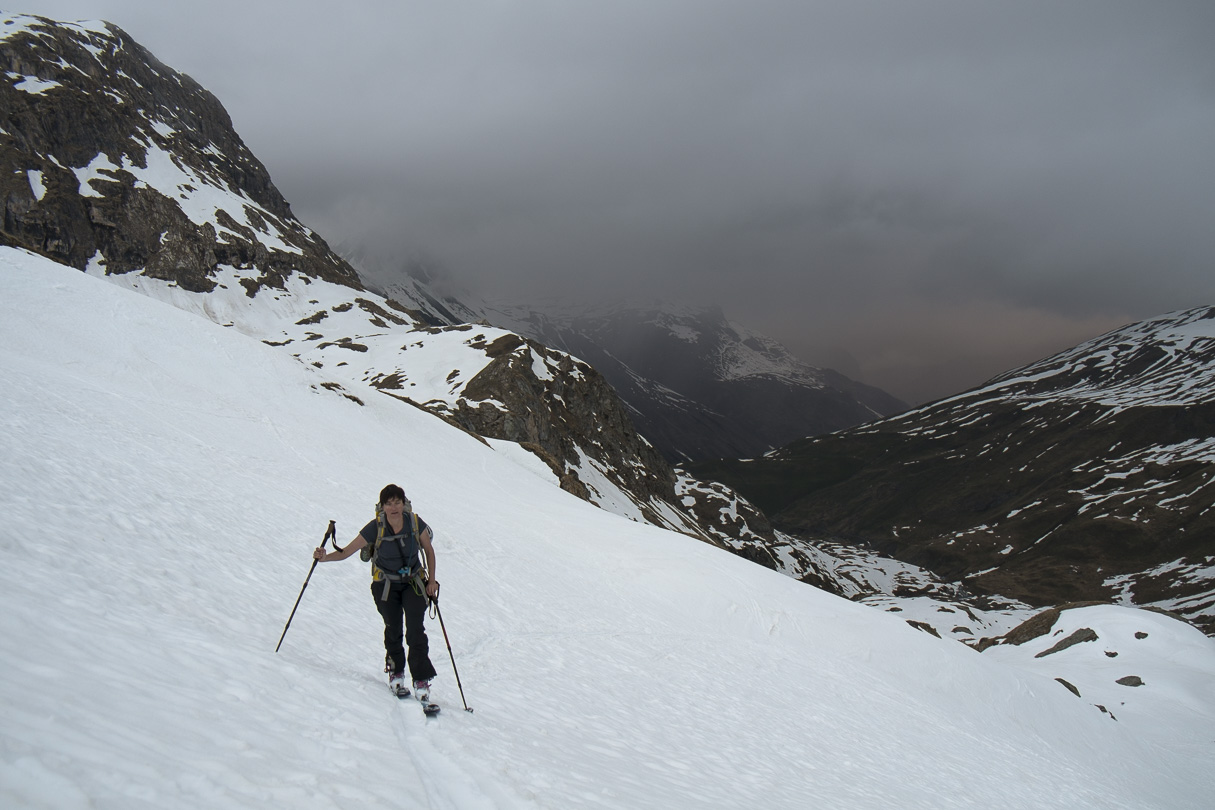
x,y
1087,475
699,386
163,480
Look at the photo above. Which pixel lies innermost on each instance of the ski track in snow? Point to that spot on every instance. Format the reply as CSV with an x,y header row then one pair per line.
x,y
165,479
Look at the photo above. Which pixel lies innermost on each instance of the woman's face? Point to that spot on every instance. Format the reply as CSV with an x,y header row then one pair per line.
x,y
394,507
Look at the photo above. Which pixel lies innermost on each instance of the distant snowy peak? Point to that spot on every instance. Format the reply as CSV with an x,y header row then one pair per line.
x,y
700,386
730,351
155,182
749,354
733,351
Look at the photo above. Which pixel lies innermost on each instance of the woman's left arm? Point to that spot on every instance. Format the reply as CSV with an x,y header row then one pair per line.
x,y
432,587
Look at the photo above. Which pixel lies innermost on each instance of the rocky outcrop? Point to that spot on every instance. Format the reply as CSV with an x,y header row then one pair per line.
x,y
109,157
568,410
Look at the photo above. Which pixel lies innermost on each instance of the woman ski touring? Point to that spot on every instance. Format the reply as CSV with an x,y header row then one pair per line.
x,y
400,585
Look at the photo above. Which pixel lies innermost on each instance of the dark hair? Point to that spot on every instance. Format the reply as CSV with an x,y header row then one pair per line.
x,y
392,491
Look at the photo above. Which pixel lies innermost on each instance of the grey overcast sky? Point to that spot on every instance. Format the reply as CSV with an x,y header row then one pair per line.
x,y
919,193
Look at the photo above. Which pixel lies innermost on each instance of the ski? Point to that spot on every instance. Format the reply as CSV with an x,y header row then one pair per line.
x,y
401,691
422,692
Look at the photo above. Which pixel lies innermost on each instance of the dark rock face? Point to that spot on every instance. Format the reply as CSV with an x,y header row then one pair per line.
x,y
568,411
1088,476
730,522
698,386
108,156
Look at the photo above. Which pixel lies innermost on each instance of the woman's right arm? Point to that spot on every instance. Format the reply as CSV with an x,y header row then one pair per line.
x,y
332,556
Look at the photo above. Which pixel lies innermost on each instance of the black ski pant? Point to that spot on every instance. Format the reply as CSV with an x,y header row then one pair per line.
x,y
403,601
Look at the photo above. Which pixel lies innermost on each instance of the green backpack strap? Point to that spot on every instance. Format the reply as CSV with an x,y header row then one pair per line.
x,y
368,551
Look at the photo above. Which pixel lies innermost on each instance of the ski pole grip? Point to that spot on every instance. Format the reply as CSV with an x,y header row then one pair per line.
x,y
331,534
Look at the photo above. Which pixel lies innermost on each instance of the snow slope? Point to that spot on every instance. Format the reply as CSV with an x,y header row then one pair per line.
x,y
164,479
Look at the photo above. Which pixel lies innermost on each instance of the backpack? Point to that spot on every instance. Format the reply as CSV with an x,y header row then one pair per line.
x,y
393,557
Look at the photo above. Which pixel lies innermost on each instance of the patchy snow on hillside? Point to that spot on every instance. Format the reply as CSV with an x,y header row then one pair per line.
x,y
164,480
200,198
13,24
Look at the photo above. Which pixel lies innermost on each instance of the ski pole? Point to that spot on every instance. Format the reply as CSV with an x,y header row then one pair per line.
x,y
459,686
330,534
